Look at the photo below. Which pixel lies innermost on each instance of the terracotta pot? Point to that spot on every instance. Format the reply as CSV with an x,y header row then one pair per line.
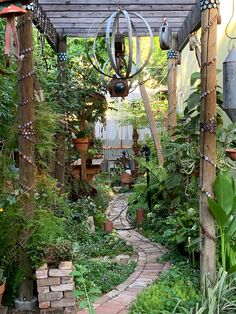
x,y
139,215
2,289
231,153
126,178
81,144
108,226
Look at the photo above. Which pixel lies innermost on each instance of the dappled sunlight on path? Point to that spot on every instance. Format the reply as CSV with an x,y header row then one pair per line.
x,y
119,300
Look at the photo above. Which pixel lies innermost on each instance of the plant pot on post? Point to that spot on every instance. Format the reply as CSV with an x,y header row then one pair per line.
x,y
81,144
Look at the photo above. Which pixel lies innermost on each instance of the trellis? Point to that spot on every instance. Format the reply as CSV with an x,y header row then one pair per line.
x,y
59,19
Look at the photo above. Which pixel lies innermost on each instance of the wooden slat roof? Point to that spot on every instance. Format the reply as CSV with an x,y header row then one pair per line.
x,y
75,17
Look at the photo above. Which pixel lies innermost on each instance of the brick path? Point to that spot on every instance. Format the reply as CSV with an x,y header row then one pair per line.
x,y
118,301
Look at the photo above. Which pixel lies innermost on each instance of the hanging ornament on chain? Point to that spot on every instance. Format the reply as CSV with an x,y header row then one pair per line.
x,y
124,60
165,35
9,10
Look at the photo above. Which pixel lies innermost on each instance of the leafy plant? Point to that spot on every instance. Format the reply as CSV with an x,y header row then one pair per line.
x,y
85,295
160,297
224,211
217,299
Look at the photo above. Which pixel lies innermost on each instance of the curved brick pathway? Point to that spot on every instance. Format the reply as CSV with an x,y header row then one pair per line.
x,y
119,300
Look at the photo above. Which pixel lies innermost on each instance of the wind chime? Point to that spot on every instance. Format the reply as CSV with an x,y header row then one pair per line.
x,y
122,64
9,10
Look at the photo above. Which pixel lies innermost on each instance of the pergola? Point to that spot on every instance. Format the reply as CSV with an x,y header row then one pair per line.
x,y
76,17
59,19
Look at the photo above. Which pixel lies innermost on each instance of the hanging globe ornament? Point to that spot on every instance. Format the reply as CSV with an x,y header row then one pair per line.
x,y
124,60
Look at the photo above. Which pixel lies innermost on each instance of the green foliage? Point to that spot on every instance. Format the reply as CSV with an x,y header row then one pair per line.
x,y
178,283
106,275
217,298
86,296
101,244
223,210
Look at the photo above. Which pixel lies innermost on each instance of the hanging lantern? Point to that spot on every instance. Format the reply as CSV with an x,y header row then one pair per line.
x,y
165,35
229,81
10,10
124,60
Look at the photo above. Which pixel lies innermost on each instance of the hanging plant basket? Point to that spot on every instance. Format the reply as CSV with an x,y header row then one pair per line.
x,y
231,153
81,144
2,290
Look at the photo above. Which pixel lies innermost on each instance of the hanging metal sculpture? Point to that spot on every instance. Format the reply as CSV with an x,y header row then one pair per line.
x,y
165,35
229,79
124,60
9,10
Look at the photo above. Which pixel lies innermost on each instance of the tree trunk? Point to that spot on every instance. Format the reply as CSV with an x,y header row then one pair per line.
x,y
26,144
152,123
208,142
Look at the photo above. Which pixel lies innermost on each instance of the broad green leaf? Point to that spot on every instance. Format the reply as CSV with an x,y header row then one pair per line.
x,y
95,290
231,230
224,191
218,213
194,78
172,181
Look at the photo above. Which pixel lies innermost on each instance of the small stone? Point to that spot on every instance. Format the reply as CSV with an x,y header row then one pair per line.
x,y
40,274
59,272
63,287
50,296
42,290
48,282
44,305
67,279
91,225
63,303
123,259
65,265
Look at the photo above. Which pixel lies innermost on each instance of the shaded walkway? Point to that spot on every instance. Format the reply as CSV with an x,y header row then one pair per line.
x,y
118,301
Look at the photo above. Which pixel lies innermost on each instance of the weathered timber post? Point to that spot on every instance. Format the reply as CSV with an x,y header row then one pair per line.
x,y
26,143
208,137
60,136
152,123
172,57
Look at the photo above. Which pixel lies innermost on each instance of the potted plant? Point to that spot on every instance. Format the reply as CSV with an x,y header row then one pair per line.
x,y
2,283
81,141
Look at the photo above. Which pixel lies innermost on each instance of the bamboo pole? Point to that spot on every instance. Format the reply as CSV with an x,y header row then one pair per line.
x,y
172,96
60,136
208,141
26,120
152,123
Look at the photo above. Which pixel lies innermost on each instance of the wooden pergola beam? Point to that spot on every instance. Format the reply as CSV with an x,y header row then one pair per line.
x,y
191,24
44,25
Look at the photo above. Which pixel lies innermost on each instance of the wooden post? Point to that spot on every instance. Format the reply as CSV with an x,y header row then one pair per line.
x,y
26,143
60,136
171,82
152,123
208,139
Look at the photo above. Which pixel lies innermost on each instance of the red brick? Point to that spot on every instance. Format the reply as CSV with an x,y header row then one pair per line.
x,y
48,282
50,296
65,265
63,303
63,287
41,274
42,290
59,272
44,305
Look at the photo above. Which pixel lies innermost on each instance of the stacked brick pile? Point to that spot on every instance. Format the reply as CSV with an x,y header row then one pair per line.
x,y
55,288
